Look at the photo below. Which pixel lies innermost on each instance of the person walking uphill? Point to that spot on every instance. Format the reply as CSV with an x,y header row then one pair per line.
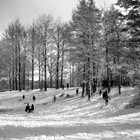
x,y
106,98
67,85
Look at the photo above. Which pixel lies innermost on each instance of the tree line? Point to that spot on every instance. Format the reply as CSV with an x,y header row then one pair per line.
x,y
96,47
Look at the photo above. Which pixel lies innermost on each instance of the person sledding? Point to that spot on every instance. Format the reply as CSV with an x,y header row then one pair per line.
x,y
29,108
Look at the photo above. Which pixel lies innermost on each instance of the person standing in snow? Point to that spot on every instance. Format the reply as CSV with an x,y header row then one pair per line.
x,y
54,98
63,87
67,85
77,91
82,94
34,98
23,97
100,92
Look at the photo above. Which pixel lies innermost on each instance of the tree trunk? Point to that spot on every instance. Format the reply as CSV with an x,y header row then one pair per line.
x,y
16,69
88,79
19,67
10,82
13,66
119,76
72,74
45,67
32,84
39,72
84,79
62,67
119,84
13,78
57,67
51,81
24,69
107,69
23,77
41,86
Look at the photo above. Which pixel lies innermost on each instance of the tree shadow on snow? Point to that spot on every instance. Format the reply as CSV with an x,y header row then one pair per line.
x,y
5,110
135,102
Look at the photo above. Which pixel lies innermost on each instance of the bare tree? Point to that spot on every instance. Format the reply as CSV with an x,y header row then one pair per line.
x,y
32,38
14,36
57,39
45,22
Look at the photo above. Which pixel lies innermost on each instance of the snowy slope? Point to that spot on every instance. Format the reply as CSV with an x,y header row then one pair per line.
x,y
68,118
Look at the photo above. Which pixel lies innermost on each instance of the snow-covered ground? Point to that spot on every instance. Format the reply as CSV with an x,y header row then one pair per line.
x,y
73,118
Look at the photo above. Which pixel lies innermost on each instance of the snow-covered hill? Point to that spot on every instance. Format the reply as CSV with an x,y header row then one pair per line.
x,y
72,118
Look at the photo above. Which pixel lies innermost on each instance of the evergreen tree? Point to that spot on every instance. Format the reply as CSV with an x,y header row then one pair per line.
x,y
113,39
131,17
86,26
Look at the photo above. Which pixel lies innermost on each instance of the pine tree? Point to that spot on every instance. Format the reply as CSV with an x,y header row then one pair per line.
x,y
113,39
131,17
86,26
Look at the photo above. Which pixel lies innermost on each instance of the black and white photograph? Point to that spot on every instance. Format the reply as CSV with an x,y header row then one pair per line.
x,y
69,69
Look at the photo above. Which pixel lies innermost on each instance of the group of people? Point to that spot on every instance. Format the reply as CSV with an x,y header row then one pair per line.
x,y
67,96
29,108
103,91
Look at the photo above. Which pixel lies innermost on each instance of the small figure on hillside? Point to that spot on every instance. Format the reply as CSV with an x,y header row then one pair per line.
x,y
23,97
106,98
69,96
77,91
54,98
62,95
27,108
63,87
82,94
32,108
100,92
34,98
67,85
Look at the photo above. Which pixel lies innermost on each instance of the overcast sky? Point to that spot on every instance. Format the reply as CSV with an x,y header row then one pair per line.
x,y
27,10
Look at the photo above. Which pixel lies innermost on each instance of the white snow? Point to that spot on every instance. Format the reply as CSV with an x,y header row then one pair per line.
x,y
128,134
70,113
